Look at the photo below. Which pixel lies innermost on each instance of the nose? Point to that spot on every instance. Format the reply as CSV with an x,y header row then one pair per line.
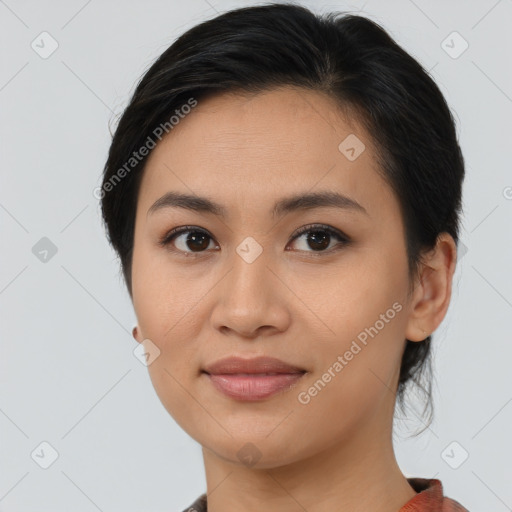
x,y
250,300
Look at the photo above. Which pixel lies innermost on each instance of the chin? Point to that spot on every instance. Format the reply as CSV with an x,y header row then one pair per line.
x,y
258,451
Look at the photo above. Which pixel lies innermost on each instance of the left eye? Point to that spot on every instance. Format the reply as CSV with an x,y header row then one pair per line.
x,y
319,238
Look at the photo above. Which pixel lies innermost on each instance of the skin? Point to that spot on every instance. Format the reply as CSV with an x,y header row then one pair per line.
x,y
294,303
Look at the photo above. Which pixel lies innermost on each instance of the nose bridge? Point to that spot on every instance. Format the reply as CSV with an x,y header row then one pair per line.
x,y
249,277
249,297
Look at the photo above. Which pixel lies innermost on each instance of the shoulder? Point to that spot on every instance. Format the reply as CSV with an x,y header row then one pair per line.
x,y
198,506
430,497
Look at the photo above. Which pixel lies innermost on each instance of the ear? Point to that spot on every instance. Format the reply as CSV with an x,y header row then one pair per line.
x,y
136,335
432,289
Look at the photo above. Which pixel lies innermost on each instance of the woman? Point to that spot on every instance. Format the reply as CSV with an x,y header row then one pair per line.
x,y
284,193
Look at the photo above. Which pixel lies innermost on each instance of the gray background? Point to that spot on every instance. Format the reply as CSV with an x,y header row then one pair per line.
x,y
68,374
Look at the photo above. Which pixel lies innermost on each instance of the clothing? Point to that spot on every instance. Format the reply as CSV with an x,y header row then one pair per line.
x,y
430,498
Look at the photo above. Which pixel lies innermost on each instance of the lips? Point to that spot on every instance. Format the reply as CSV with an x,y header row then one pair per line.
x,y
252,379
263,365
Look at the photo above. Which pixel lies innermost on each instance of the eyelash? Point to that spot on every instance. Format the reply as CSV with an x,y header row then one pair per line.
x,y
343,240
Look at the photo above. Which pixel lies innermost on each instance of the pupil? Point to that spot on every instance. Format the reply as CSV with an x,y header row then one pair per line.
x,y
197,238
318,241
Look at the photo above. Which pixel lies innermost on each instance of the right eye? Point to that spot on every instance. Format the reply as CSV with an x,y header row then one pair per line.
x,y
187,239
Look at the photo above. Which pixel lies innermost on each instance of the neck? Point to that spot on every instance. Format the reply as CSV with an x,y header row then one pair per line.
x,y
359,473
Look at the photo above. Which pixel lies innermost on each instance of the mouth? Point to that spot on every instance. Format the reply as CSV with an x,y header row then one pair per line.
x,y
252,379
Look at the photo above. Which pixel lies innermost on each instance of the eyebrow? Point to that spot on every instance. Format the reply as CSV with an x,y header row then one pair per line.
x,y
286,205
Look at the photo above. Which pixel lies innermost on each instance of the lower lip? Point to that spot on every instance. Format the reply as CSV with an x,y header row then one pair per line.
x,y
253,387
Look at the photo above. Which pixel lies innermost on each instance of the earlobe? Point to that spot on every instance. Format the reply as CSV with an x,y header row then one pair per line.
x,y
135,334
432,293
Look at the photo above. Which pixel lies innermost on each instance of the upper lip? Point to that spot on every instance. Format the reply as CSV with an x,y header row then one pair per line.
x,y
234,365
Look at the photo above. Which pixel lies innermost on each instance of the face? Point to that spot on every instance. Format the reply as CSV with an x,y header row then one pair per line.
x,y
319,283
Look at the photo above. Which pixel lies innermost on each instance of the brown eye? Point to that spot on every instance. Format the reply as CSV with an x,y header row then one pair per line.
x,y
319,238
196,241
188,240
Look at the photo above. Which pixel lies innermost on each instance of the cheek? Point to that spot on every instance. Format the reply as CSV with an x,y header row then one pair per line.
x,y
163,296
363,291
163,316
365,312
351,385
172,384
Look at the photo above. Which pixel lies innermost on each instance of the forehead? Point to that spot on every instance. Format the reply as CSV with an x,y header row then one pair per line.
x,y
280,141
